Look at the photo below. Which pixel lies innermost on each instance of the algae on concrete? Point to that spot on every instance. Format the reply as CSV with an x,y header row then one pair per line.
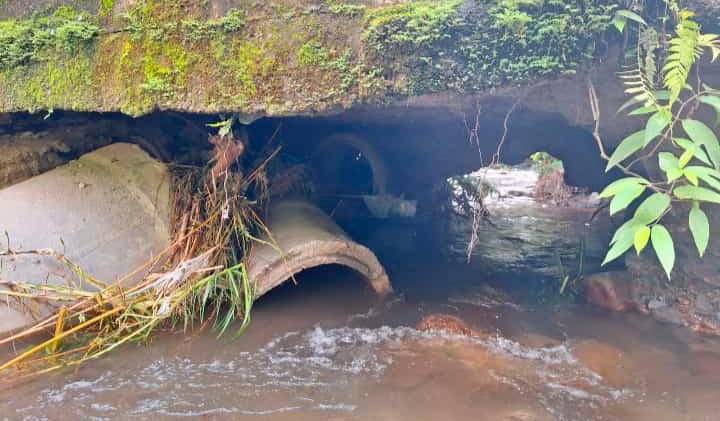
x,y
283,57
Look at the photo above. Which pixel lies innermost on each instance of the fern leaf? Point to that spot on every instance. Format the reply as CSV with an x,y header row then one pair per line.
x,y
685,49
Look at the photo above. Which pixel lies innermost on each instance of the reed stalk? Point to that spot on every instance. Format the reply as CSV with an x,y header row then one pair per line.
x,y
201,277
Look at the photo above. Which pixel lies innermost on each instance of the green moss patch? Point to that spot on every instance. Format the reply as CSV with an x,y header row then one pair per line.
x,y
287,57
470,46
25,41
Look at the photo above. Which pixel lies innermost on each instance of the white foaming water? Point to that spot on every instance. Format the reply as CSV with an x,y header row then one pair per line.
x,y
554,355
314,370
291,367
483,300
560,382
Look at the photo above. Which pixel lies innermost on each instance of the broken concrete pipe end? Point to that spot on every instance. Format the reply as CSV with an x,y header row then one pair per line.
x,y
303,237
120,191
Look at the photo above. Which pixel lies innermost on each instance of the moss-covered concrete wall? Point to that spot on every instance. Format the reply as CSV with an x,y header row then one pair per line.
x,y
281,57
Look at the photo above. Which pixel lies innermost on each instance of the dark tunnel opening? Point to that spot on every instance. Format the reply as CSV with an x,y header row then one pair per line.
x,y
404,155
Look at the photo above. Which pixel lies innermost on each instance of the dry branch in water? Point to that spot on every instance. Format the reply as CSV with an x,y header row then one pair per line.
x,y
479,211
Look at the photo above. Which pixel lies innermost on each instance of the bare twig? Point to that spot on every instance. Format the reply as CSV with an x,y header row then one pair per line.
x,y
474,131
506,122
479,211
595,107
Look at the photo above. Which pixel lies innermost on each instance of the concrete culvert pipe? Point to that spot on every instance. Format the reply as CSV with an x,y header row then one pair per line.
x,y
303,237
108,212
326,155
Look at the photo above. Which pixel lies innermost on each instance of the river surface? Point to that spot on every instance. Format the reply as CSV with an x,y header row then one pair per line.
x,y
328,350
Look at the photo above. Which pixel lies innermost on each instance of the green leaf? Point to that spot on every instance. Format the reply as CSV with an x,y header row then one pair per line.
x,y
667,161
686,157
619,23
624,239
691,177
642,236
630,224
627,147
670,165
642,111
711,100
706,174
701,134
689,144
632,101
623,199
637,90
674,174
619,185
627,14
664,248
656,124
696,193
662,95
652,208
700,228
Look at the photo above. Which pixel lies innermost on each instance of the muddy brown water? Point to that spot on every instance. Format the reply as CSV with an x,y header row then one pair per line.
x,y
327,350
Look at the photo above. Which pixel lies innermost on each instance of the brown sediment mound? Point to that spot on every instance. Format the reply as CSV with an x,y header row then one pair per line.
x,y
613,291
445,323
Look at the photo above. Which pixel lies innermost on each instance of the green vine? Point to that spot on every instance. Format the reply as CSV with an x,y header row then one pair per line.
x,y
687,150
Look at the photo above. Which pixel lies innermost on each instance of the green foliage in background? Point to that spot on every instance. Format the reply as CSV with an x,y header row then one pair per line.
x,y
686,149
285,57
544,163
23,41
465,46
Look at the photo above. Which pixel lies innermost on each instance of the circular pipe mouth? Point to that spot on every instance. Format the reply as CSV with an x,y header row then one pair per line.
x,y
316,254
379,173
304,237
